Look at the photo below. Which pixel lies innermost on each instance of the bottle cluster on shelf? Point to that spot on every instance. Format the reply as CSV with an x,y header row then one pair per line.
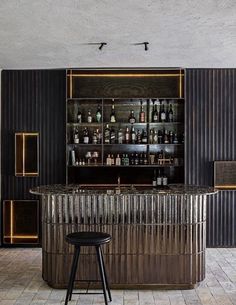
x,y
159,179
124,159
127,135
158,111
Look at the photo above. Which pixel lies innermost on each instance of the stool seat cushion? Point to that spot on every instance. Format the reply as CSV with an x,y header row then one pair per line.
x,y
88,238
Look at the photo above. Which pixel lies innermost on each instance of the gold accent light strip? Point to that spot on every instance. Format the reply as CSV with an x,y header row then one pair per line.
x,y
11,222
225,186
127,75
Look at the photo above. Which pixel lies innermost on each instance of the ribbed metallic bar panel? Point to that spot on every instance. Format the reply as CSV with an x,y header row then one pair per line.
x,y
33,100
156,239
210,134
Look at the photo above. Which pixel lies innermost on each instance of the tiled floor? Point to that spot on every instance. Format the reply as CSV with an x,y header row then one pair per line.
x,y
21,284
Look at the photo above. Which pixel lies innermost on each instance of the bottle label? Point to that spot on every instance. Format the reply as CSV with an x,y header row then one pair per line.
x,y
113,119
89,119
86,140
98,116
159,181
79,118
163,116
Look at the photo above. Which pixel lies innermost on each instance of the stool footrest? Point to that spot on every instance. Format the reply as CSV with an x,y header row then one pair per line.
x,y
87,292
88,281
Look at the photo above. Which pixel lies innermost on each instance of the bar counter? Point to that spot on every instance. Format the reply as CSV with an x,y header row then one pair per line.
x,y
158,235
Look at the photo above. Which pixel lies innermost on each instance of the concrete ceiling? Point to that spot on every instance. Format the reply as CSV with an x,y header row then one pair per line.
x,y
54,33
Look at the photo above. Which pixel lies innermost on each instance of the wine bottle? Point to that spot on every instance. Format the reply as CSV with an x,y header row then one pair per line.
x,y
163,113
154,179
95,137
113,114
127,135
132,119
120,136
159,178
166,137
151,136
139,137
171,114
160,137
76,136
133,135
79,116
112,136
144,137
155,137
154,113
141,113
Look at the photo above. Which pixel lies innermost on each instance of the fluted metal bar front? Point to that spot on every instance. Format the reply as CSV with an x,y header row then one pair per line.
x,y
156,239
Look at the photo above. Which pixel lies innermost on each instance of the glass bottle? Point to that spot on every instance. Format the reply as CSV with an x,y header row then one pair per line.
x,y
127,135
159,178
151,134
160,137
166,137
145,159
133,135
154,179
132,119
95,137
154,114
89,117
113,114
76,136
108,160
163,113
98,114
136,159
141,159
175,141
141,113
112,160
112,136
118,160
79,116
155,137
99,136
86,135
144,137
107,135
132,159
171,114
139,137
120,136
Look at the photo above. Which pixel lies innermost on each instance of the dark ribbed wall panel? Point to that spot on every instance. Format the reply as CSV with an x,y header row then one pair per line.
x,y
211,135
33,101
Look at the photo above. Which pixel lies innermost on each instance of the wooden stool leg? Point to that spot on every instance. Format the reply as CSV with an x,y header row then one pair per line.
x,y
72,275
107,283
102,275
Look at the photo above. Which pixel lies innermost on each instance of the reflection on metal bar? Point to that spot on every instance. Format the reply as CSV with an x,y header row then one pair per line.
x,y
11,221
127,75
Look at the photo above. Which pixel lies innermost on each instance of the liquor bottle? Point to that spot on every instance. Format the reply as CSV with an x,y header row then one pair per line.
x,y
113,114
175,141
133,135
171,137
171,114
112,136
112,160
108,160
99,136
95,137
164,180
159,178
144,137
107,135
154,179
160,137
139,137
166,137
132,159
118,160
76,136
136,159
163,113
86,135
126,160
98,114
145,159
167,112
151,134
79,116
132,119
141,113
89,117
141,159
72,152
155,137
154,113
123,159
127,135
120,136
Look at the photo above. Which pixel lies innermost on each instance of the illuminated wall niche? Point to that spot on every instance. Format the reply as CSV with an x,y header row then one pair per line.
x,y
21,221
26,154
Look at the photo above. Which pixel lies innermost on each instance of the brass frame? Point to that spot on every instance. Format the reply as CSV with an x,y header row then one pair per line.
x,y
12,236
24,173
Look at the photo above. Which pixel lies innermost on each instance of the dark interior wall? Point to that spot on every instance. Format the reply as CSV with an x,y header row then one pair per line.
x,y
210,129
33,101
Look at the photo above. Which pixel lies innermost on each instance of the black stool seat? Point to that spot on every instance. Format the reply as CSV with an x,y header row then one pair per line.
x,y
88,238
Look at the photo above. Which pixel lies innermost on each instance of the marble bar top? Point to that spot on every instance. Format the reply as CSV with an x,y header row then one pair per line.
x,y
76,189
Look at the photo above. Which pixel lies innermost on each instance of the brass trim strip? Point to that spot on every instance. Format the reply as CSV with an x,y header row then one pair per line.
x,y
11,221
21,236
225,186
126,75
180,84
71,84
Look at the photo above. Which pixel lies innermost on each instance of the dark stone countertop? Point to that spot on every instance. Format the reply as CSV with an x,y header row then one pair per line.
x,y
76,189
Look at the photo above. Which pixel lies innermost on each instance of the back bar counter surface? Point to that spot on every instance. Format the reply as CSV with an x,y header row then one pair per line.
x,y
158,235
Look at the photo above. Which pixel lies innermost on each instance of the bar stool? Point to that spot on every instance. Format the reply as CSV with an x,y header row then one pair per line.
x,y
88,239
